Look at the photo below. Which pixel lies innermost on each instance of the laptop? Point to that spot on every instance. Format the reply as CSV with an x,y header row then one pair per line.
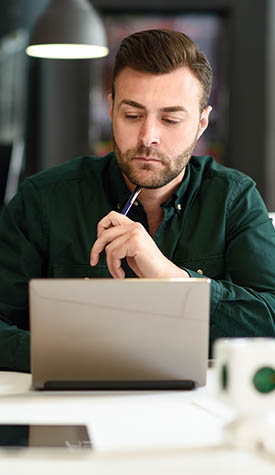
x,y
119,334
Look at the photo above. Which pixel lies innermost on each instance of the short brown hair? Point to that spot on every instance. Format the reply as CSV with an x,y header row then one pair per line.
x,y
163,51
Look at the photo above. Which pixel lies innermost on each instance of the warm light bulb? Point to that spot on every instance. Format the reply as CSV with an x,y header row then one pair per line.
x,y
67,51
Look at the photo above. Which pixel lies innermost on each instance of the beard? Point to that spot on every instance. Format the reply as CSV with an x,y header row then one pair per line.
x,y
147,175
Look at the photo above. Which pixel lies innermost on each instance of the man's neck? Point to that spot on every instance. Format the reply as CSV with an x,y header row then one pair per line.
x,y
151,200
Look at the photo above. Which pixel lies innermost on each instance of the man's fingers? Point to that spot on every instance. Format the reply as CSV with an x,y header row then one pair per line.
x,y
111,220
105,238
114,254
125,245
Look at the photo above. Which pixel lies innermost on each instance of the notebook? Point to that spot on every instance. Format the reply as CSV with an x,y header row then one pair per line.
x,y
119,334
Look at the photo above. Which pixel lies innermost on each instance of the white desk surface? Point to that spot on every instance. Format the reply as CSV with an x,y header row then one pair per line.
x,y
160,432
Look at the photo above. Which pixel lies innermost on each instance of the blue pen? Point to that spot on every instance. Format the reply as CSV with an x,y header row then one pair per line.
x,y
131,200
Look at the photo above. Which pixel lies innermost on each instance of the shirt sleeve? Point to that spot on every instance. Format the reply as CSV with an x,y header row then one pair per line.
x,y
22,238
243,304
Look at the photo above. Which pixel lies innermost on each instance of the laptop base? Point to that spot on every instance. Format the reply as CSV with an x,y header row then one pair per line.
x,y
119,385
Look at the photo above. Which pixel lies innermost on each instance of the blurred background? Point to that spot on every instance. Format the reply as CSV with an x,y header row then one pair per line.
x,y
53,110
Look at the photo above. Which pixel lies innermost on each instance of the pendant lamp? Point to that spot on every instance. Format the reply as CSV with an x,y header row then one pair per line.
x,y
68,29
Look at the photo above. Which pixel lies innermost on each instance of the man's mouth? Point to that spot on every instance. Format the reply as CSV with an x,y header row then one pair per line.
x,y
147,159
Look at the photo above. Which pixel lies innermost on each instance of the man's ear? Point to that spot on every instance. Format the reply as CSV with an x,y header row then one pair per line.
x,y
110,99
204,120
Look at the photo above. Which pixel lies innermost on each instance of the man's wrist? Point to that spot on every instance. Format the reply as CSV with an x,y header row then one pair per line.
x,y
180,272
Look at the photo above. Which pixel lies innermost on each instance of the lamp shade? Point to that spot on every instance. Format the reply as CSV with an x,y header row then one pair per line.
x,y
68,29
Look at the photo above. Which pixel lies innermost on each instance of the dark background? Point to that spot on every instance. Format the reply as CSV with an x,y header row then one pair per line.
x,y
57,107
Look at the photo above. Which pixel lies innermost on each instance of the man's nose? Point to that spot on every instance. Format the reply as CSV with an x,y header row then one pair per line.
x,y
150,132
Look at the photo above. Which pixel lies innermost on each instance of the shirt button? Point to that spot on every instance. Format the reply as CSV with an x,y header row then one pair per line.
x,y
200,271
118,206
179,206
136,203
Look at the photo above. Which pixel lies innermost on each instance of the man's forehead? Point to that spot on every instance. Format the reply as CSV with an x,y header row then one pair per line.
x,y
132,85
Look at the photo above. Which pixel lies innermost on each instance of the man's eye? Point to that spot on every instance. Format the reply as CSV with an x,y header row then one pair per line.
x,y
171,121
132,116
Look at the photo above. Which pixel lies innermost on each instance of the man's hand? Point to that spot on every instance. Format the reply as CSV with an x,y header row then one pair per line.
x,y
123,238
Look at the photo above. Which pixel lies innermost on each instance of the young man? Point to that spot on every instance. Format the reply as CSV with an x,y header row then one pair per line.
x,y
193,217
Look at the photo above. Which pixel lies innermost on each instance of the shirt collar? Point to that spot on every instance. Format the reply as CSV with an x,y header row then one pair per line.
x,y
176,200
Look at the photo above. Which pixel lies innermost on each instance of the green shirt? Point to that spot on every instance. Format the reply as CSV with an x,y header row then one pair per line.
x,y
214,225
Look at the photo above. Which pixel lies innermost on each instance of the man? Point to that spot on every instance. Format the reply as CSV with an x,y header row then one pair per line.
x,y
193,217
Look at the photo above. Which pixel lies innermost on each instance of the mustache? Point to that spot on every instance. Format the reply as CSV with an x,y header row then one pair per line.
x,y
143,151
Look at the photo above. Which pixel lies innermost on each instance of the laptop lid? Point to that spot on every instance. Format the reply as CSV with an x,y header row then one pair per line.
x,y
119,334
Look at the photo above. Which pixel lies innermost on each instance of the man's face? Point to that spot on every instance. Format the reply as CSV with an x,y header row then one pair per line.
x,y
156,124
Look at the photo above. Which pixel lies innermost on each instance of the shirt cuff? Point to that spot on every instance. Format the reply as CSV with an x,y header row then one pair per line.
x,y
215,289
195,274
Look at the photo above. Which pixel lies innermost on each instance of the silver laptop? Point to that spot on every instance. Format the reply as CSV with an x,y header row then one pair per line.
x,y
119,334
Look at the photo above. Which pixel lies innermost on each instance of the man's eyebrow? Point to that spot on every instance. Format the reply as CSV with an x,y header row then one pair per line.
x,y
137,105
173,109
132,103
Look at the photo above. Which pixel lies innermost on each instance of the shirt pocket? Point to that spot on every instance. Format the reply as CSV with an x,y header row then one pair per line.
x,y
80,270
213,267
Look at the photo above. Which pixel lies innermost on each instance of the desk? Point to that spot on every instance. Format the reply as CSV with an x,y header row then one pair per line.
x,y
146,432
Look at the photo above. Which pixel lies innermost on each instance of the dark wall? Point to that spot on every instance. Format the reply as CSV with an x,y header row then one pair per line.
x,y
64,99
